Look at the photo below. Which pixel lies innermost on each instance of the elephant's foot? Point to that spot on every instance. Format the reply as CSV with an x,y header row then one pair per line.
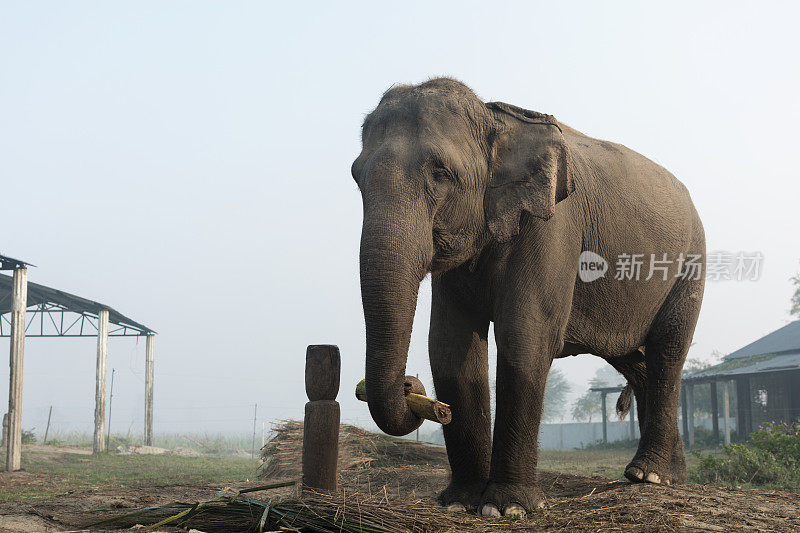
x,y
510,499
462,496
649,467
646,469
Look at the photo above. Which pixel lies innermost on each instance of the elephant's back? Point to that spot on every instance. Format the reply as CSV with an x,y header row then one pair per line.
x,y
627,206
626,190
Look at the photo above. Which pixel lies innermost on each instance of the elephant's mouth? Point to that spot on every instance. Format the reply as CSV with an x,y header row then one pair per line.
x,y
449,250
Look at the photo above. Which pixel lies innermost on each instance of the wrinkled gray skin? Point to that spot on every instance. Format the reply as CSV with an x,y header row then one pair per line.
x,y
498,202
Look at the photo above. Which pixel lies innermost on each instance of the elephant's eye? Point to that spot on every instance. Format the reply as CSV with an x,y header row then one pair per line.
x,y
443,174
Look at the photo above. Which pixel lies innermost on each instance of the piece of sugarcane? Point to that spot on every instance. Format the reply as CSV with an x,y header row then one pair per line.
x,y
420,405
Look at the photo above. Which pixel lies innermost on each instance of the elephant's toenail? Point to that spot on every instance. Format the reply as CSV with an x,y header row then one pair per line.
x,y
541,505
456,507
514,510
490,510
635,473
652,477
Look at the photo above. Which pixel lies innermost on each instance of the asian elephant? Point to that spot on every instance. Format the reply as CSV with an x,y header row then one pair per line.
x,y
498,203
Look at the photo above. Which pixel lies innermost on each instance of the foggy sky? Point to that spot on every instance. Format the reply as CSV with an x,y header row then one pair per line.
x,y
188,164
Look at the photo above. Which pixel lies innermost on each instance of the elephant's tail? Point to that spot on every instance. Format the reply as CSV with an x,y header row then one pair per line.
x,y
624,401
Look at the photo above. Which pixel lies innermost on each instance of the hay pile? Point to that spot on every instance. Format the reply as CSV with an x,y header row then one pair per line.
x,y
359,449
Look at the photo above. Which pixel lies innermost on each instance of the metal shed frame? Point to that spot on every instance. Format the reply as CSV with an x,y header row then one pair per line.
x,y
55,313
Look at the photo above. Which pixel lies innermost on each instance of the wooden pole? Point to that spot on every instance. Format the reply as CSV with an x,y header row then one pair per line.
x,y
47,429
110,402
690,412
321,425
744,406
417,436
631,420
714,412
148,388
19,302
605,416
100,383
726,409
4,439
255,415
684,417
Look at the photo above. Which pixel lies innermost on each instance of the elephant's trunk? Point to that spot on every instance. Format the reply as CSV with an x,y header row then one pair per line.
x,y
393,264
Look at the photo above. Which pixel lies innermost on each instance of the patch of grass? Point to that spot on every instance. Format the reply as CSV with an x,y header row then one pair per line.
x,y
74,471
608,463
594,462
145,469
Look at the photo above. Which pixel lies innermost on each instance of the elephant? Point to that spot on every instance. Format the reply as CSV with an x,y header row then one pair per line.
x,y
501,205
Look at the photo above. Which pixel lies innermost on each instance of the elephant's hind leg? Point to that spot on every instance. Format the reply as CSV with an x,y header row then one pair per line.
x,y
633,367
659,458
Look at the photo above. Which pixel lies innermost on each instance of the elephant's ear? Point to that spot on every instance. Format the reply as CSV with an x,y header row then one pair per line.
x,y
531,169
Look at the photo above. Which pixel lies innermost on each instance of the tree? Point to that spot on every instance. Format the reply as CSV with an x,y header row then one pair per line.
x,y
590,403
795,310
555,395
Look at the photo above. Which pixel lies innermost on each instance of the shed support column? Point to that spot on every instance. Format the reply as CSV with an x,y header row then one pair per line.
x,y
714,412
726,409
605,416
631,420
100,390
19,302
684,417
148,389
690,412
743,406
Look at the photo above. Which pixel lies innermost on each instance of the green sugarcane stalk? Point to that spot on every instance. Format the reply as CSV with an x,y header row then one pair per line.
x,y
422,406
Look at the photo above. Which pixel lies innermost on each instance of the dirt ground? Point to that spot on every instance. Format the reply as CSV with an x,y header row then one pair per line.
x,y
575,503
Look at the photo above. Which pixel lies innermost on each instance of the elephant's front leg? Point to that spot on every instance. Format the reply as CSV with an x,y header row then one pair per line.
x,y
459,361
523,361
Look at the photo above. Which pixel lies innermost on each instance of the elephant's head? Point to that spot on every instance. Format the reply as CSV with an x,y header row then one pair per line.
x,y
441,175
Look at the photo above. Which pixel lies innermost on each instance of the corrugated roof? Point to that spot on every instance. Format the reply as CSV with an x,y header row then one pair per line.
x,y
9,263
751,365
783,340
39,294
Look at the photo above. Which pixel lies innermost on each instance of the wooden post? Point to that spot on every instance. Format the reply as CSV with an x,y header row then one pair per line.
x,y
714,412
726,409
690,411
321,425
605,416
110,404
149,359
19,302
255,416
4,438
100,384
417,439
631,419
47,429
744,405
684,417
